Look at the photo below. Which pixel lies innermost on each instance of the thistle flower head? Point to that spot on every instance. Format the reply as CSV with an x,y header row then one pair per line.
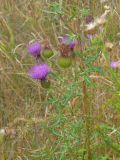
x,y
89,19
67,41
34,48
72,44
114,64
39,71
65,50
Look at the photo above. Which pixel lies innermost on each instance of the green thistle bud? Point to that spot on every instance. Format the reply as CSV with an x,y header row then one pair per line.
x,y
47,54
45,84
65,62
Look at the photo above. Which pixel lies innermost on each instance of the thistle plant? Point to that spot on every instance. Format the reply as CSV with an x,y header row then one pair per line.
x,y
89,39
67,105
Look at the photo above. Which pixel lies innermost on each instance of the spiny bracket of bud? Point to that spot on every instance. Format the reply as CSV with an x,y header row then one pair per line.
x,y
45,83
65,62
47,51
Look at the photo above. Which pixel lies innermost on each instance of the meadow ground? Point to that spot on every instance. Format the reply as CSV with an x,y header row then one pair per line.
x,y
78,117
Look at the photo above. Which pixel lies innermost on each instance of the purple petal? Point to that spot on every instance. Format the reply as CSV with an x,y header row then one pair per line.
x,y
67,41
72,44
39,71
114,64
89,19
34,48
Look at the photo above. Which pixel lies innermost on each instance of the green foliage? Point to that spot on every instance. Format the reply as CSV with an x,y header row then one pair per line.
x,y
56,8
84,12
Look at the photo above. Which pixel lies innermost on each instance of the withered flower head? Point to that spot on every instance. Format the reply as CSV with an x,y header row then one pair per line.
x,y
67,41
65,50
89,19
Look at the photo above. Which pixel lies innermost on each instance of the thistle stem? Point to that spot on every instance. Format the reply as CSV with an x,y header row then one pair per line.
x,y
86,112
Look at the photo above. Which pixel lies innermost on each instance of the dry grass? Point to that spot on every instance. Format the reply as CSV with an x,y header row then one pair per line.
x,y
49,124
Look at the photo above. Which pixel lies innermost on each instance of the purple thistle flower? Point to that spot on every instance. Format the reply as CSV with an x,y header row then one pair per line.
x,y
89,19
34,48
114,64
72,44
39,71
67,41
64,40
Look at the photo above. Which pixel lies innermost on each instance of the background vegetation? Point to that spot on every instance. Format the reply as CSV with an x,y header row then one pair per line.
x,y
69,121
